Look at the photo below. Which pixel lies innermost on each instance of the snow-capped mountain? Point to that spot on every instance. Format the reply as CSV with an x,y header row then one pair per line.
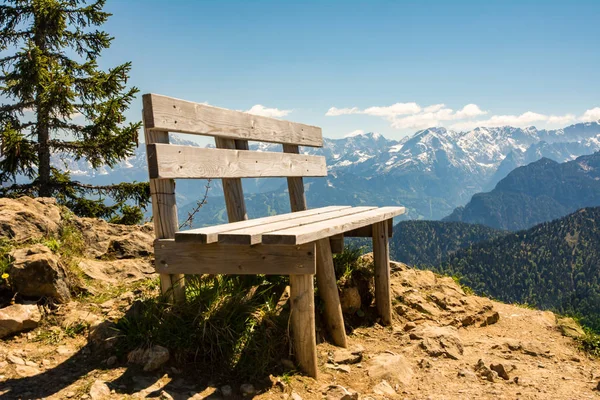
x,y
430,172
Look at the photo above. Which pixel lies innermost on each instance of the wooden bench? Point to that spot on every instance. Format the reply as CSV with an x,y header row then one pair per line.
x,y
298,244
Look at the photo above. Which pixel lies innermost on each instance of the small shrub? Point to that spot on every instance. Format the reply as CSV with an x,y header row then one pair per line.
x,y
590,343
348,262
467,289
229,325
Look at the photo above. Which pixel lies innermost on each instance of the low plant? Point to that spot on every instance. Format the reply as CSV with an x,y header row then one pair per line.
x,y
232,326
590,343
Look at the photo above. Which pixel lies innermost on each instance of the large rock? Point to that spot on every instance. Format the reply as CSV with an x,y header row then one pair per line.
x,y
113,241
568,327
391,367
26,218
439,341
38,272
18,318
117,271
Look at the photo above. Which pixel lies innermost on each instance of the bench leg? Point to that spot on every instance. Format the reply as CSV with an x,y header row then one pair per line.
x,y
328,291
173,286
381,258
302,297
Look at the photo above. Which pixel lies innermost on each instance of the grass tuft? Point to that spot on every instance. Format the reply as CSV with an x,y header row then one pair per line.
x,y
231,326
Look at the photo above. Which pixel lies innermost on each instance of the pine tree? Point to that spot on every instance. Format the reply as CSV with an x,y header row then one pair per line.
x,y
51,79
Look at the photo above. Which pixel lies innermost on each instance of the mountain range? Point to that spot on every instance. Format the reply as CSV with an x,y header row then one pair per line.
x,y
541,191
431,172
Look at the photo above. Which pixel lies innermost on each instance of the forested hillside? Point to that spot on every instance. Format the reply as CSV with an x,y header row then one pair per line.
x,y
555,265
536,193
430,242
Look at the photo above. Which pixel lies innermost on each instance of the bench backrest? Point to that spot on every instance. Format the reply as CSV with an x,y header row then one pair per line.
x,y
230,161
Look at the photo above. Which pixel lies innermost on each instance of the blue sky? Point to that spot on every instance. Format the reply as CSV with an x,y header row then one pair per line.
x,y
510,62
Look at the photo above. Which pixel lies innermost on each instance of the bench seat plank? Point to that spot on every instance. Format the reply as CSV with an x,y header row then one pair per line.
x,y
319,230
169,161
254,234
188,258
210,234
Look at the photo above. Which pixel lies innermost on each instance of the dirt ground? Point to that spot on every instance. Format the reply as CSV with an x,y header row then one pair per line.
x,y
432,351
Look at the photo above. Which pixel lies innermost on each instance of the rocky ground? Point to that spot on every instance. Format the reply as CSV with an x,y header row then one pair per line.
x,y
444,343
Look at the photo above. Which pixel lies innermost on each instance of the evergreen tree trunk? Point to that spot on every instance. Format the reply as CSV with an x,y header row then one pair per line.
x,y
43,131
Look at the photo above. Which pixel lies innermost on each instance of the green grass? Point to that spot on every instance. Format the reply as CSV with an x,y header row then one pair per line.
x,y
467,289
348,262
590,343
229,326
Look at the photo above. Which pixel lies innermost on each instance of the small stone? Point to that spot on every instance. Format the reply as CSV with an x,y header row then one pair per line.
x,y
296,396
465,373
152,358
226,391
165,396
247,389
99,390
64,350
26,370
343,368
18,317
500,370
410,326
68,395
384,388
343,356
15,360
110,361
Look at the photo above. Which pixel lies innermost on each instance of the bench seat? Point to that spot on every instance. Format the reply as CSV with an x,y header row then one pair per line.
x,y
292,228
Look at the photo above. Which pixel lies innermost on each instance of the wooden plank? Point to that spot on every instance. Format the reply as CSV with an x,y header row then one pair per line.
x,y
367,231
189,162
328,291
232,187
302,300
337,243
381,259
320,230
190,258
302,292
164,212
254,234
174,115
210,234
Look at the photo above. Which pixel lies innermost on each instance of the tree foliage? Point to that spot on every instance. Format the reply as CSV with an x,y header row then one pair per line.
x,y
553,265
60,103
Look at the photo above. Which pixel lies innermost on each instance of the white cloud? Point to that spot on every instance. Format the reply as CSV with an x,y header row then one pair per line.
x,y
393,110
357,132
334,111
413,116
387,111
259,109
562,120
591,115
469,111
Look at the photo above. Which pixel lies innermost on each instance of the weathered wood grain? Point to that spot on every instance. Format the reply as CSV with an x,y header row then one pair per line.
x,y
328,291
320,230
253,235
337,243
302,293
381,259
190,258
174,115
210,233
367,231
232,187
189,162
164,211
